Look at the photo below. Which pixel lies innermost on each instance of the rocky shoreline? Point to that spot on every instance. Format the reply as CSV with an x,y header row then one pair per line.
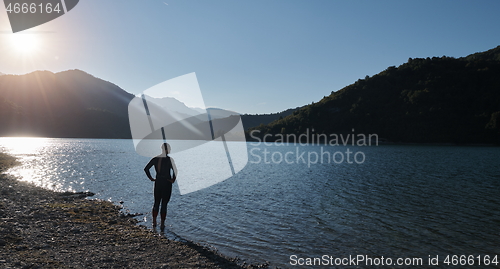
x,y
45,229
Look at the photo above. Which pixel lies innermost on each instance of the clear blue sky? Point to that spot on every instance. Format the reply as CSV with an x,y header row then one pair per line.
x,y
257,56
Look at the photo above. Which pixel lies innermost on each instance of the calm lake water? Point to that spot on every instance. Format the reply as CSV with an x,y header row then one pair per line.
x,y
401,201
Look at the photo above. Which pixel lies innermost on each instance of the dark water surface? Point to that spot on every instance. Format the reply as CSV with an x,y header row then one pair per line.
x,y
402,201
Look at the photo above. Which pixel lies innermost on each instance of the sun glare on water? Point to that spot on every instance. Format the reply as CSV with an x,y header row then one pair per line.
x,y
24,43
23,145
29,152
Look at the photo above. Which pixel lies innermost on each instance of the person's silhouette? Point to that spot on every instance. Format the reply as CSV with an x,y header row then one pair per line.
x,y
166,173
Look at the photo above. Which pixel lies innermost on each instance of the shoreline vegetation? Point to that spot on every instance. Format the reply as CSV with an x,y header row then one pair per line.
x,y
40,228
425,100
340,142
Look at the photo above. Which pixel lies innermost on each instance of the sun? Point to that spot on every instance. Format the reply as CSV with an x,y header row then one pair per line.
x,y
24,43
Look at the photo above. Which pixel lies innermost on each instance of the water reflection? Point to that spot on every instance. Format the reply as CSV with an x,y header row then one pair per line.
x,y
23,145
30,151
403,201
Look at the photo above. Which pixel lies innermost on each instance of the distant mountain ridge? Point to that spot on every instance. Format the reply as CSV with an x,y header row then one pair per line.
x,y
75,104
66,104
173,104
489,55
431,100
254,120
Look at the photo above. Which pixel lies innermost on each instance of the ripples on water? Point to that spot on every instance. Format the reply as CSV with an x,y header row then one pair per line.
x,y
403,201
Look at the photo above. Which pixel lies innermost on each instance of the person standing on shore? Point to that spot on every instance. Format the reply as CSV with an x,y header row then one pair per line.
x,y
166,173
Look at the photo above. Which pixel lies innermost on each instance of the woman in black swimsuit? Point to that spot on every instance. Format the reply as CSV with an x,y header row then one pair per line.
x,y
166,173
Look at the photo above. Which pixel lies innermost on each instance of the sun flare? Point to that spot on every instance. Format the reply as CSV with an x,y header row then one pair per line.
x,y
23,145
24,43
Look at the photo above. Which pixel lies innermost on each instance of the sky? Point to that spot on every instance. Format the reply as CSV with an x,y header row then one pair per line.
x,y
258,56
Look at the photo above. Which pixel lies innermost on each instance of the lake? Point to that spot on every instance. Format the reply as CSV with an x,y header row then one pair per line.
x,y
393,201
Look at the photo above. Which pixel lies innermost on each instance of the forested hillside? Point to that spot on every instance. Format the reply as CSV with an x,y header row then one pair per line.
x,y
431,100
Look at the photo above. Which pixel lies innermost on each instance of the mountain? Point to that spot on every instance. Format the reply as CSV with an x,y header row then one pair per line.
x,y
431,100
173,104
254,120
66,104
76,104
490,55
